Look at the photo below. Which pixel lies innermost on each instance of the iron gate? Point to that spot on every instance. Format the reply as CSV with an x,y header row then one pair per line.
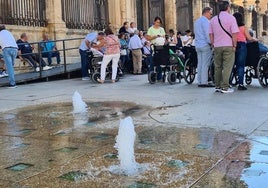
x,y
23,12
85,14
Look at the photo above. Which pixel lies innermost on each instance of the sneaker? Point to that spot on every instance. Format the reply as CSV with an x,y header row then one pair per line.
x,y
5,74
217,89
12,86
241,87
46,68
228,90
37,69
2,75
85,78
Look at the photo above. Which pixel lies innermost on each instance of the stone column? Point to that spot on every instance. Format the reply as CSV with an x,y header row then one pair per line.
x,y
56,26
114,8
170,15
197,9
259,19
247,14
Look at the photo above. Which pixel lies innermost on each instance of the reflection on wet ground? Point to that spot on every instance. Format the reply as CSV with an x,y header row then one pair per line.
x,y
49,146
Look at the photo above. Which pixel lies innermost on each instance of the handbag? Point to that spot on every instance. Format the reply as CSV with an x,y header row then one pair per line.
x,y
123,52
223,28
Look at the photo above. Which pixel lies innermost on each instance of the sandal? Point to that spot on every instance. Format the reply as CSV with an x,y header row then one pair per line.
x,y
100,81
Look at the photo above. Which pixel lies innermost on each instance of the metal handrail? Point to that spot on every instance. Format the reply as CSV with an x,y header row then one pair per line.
x,y
64,49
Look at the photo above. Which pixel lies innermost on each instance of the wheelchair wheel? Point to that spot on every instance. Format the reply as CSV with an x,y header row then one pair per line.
x,y
248,80
95,77
171,77
211,72
262,71
152,77
189,71
234,77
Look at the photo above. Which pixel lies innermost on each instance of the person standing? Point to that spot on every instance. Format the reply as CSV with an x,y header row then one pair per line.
x,y
132,28
203,47
112,53
10,50
223,32
84,52
135,45
241,49
155,33
124,28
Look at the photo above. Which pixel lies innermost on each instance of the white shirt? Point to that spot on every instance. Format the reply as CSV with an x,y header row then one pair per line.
x,y
185,38
7,40
91,37
131,30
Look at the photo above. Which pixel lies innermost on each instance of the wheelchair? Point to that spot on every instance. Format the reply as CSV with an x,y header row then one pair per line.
x,y
170,63
256,66
190,65
95,68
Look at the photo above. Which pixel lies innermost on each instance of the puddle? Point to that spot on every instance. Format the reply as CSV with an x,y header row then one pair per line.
x,y
19,167
73,176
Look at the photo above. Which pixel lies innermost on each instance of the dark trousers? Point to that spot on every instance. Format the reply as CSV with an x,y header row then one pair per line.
x,y
240,60
33,58
84,63
49,56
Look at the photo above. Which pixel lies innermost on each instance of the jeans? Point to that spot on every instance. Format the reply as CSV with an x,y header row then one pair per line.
x,y
105,61
123,59
204,58
263,48
84,63
35,58
224,58
10,55
49,56
240,61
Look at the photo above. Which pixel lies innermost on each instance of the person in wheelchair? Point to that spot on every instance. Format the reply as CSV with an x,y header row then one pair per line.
x,y
26,52
241,49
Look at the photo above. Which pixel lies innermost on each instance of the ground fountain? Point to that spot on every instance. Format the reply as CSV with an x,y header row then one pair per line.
x,y
80,110
125,145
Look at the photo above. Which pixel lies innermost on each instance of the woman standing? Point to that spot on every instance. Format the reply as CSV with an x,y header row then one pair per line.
x,y
112,53
156,35
241,49
123,50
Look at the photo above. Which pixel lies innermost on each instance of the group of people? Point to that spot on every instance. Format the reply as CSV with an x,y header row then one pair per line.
x,y
130,41
22,49
228,36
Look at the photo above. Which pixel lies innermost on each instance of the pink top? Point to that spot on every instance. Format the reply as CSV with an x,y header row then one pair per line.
x,y
112,45
241,37
221,39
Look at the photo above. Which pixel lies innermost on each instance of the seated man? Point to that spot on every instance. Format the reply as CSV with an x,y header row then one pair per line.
x,y
26,51
49,49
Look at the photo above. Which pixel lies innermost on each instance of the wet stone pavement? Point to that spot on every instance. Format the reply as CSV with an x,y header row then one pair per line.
x,y
48,146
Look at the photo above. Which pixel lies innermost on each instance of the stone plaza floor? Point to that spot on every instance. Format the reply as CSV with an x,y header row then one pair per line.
x,y
186,136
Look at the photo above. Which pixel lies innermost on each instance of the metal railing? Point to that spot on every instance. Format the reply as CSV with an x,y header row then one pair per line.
x,y
85,14
64,50
23,12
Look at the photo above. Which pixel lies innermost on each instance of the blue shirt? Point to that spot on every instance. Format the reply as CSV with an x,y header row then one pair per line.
x,y
91,37
135,43
201,27
47,46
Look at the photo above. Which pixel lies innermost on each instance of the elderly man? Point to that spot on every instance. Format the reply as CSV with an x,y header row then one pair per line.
x,y
203,47
26,51
10,50
223,32
135,45
49,49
